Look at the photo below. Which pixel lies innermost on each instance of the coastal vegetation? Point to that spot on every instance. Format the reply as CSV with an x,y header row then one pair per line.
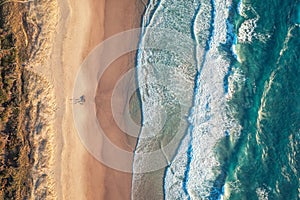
x,y
23,98
15,147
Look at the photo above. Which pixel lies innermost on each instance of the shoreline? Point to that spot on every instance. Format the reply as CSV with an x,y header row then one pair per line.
x,y
117,185
82,26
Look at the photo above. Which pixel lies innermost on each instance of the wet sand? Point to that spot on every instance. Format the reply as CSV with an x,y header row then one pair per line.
x,y
119,17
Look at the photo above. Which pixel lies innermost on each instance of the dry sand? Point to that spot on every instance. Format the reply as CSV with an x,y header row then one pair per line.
x,y
82,26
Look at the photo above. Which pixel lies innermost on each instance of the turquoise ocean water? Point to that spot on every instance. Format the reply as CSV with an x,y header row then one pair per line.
x,y
239,108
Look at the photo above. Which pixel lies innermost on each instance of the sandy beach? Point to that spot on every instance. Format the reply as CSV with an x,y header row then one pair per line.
x,y
82,26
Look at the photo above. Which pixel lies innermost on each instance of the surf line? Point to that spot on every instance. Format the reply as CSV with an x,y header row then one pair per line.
x,y
197,85
152,8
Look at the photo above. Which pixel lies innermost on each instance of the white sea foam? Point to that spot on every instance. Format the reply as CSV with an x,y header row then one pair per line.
x,y
148,16
234,81
247,30
166,77
262,194
209,118
175,175
202,26
240,7
234,50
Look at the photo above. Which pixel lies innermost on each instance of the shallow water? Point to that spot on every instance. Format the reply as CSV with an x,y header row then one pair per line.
x,y
225,85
